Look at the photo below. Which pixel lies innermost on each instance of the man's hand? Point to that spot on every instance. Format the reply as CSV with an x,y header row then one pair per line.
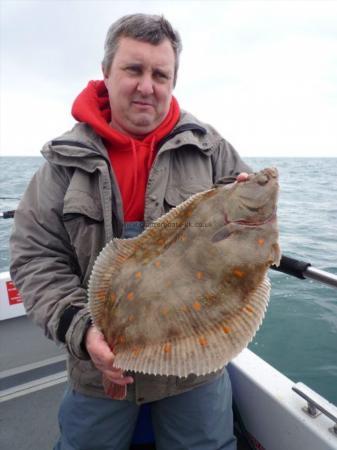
x,y
242,177
103,358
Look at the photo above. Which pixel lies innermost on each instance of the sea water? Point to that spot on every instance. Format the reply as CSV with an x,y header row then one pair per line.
x,y
299,333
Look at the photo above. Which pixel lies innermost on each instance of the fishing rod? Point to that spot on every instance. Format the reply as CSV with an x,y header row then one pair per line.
x,y
7,214
289,266
303,270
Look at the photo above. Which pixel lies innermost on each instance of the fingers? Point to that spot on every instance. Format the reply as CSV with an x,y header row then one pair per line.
x,y
118,377
97,347
243,176
113,390
103,358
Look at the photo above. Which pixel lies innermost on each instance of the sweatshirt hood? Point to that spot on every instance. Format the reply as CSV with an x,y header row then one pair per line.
x,y
130,158
92,106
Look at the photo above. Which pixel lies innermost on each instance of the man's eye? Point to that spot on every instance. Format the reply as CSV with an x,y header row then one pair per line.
x,y
133,70
160,76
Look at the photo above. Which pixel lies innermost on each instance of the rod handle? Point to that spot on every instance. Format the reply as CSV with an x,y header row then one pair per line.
x,y
7,214
292,267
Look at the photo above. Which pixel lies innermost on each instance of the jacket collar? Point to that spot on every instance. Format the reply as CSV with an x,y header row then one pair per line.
x,y
190,131
82,147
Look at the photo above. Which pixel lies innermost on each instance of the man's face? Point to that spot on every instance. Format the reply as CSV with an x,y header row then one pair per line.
x,y
140,85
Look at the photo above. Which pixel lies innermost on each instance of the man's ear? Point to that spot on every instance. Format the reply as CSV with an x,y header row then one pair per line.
x,y
105,75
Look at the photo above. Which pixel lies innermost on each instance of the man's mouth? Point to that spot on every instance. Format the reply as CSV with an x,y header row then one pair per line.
x,y
143,104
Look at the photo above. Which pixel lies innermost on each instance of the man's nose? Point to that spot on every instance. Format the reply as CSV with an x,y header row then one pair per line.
x,y
145,85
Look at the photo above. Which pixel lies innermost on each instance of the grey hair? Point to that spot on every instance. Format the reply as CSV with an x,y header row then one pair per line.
x,y
141,27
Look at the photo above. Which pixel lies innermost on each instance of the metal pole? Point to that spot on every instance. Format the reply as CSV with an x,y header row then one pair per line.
x,y
321,275
303,270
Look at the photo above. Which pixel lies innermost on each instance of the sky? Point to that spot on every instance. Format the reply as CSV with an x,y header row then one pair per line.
x,y
263,73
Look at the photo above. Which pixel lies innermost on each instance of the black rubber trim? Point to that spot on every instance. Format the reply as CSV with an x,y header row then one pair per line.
x,y
86,328
65,321
292,267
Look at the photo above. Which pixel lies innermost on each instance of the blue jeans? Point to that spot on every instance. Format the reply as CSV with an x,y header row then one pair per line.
x,y
199,419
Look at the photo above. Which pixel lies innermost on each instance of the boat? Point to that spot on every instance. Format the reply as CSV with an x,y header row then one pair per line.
x,y
271,411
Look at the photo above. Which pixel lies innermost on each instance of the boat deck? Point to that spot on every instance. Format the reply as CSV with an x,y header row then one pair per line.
x,y
32,382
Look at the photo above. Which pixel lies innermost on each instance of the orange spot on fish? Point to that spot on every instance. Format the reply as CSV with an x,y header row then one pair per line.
x,y
101,295
131,318
226,329
165,310
260,242
167,347
121,259
197,306
199,275
112,297
238,273
135,352
161,241
138,275
203,341
157,264
183,237
130,296
249,309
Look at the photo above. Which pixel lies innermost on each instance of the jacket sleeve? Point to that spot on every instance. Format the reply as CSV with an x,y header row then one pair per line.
x,y
43,265
227,162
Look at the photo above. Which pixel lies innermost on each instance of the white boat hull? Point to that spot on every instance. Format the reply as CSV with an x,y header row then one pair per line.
x,y
272,413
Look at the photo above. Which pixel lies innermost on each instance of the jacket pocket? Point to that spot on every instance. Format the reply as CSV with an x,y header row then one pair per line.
x,y
83,220
78,203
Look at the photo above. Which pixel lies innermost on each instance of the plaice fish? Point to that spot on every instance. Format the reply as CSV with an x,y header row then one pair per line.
x,y
190,292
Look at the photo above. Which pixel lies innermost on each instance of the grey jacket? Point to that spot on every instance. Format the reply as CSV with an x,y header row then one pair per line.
x,y
72,208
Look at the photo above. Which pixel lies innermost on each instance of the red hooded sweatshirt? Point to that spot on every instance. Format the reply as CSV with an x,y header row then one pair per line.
x,y
130,158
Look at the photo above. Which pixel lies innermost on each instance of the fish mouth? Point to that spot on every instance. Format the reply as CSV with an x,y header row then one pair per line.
x,y
250,223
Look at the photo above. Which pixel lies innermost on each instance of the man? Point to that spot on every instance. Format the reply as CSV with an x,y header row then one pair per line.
x,y
133,155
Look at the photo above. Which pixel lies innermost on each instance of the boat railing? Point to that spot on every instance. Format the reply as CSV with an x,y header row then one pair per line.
x,y
316,405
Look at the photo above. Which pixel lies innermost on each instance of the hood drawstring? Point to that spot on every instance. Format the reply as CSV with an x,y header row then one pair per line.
x,y
152,152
